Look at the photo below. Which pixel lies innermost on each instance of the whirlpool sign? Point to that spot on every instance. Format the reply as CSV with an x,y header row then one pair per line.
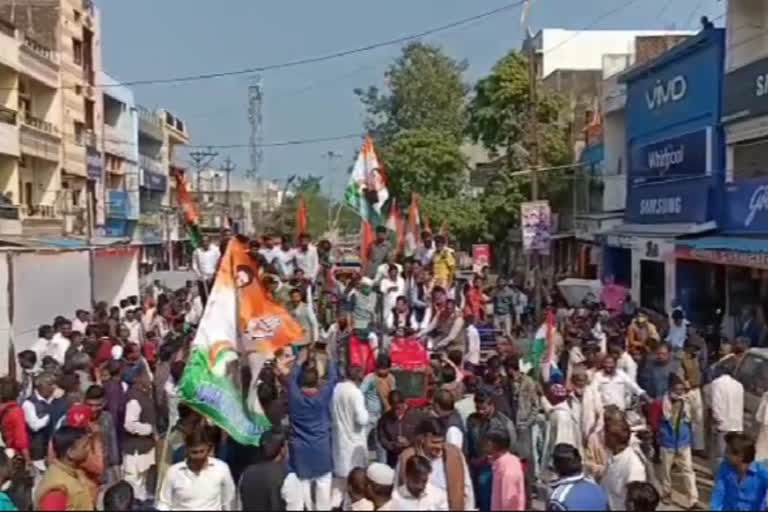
x,y
683,156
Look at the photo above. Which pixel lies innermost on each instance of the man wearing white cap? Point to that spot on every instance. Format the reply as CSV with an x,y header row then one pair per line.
x,y
381,478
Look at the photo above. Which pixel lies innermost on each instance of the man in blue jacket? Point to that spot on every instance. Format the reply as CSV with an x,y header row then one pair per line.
x,y
741,483
310,444
573,490
675,436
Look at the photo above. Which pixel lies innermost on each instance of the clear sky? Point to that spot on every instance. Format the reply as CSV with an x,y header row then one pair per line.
x,y
150,39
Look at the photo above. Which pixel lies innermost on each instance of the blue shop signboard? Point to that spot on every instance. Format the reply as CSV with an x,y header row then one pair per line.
x,y
746,207
116,228
679,201
673,112
153,181
674,157
93,163
117,204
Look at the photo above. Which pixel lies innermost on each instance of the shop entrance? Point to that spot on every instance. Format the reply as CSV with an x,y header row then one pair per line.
x,y
652,285
617,262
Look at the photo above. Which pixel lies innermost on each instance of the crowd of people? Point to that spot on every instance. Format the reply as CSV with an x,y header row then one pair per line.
x,y
594,418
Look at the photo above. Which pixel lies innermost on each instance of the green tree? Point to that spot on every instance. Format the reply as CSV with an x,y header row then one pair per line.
x,y
418,123
498,117
310,189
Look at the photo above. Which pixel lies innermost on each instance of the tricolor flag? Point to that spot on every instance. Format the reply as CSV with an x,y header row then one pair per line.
x,y
239,318
367,190
187,204
413,227
542,354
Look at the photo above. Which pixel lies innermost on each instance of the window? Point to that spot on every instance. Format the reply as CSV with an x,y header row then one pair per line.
x,y
77,51
89,115
76,197
79,90
77,15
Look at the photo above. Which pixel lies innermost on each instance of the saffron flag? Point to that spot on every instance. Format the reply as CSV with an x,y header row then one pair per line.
x,y
187,204
396,225
367,190
239,317
301,217
367,237
413,228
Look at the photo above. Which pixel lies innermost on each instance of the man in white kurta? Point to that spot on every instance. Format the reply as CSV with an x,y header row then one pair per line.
x,y
348,428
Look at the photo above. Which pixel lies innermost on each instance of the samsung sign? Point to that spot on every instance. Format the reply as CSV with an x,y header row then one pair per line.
x,y
682,156
680,201
666,92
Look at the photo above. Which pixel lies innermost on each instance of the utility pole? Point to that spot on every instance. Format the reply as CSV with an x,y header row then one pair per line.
x,y
533,131
202,159
331,156
228,168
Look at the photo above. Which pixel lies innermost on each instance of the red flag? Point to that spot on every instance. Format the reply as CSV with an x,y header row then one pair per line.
x,y
444,229
426,227
301,218
396,225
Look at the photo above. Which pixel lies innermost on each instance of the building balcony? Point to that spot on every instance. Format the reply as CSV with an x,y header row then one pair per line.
x,y
150,124
38,62
39,138
39,124
177,129
151,164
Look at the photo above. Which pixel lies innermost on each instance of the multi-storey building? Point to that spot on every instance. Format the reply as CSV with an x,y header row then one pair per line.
x,y
60,110
121,158
160,134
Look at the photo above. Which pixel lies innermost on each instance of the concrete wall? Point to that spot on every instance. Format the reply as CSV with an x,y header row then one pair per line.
x,y
45,285
115,274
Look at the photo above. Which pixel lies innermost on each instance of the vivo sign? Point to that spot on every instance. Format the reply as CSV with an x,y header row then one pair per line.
x,y
666,92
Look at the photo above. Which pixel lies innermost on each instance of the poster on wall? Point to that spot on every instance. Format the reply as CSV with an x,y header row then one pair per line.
x,y
536,222
481,257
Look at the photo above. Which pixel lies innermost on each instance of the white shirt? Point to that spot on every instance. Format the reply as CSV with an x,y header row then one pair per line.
x,y
433,498
56,348
622,468
79,326
437,479
455,437
677,335
210,489
308,261
285,261
136,329
269,254
204,261
390,297
614,389
627,365
348,428
727,404
34,422
473,345
132,423
195,312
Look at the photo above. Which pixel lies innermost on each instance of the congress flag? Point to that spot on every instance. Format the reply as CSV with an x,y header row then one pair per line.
x,y
238,318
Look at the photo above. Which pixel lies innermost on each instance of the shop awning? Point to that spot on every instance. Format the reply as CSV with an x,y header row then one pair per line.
x,y
672,230
726,243
725,250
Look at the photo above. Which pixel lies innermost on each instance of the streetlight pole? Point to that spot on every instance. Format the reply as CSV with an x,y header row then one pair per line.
x,y
331,156
533,131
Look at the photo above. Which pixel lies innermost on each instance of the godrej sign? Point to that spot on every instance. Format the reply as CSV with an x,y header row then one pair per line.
x,y
746,207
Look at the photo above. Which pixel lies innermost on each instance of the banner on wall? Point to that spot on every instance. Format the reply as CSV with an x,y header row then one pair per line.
x,y
536,223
